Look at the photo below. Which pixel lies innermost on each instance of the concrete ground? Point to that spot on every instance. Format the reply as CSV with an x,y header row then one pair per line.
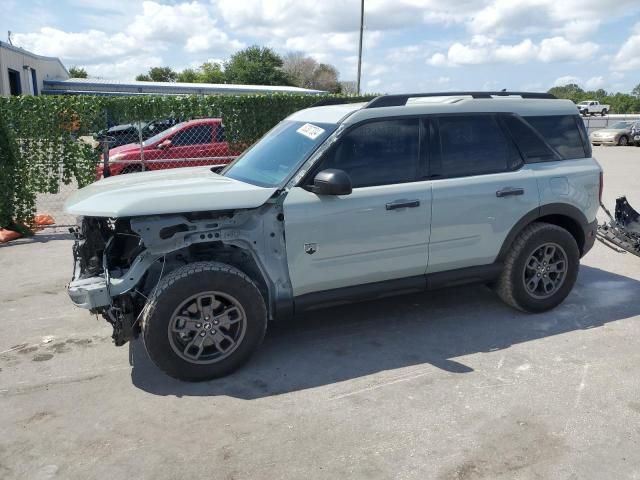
x,y
447,385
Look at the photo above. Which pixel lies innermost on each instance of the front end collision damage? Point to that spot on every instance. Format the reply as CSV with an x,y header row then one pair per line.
x,y
622,231
119,262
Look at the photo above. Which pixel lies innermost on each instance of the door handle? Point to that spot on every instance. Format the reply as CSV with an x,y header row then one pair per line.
x,y
507,192
402,204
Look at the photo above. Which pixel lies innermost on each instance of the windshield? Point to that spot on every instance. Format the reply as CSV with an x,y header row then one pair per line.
x,y
278,153
158,136
620,125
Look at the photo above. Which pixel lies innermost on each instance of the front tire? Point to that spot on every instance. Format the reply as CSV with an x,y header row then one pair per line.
x,y
541,268
203,321
623,141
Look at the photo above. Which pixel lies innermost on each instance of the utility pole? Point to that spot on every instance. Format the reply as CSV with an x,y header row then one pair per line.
x,y
360,46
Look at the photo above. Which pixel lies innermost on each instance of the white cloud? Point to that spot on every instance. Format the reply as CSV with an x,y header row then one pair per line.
x,y
560,49
565,80
374,83
127,68
628,56
183,26
81,46
574,19
483,50
594,83
437,60
408,53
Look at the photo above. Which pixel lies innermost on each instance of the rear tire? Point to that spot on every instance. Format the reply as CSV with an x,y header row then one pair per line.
x,y
203,321
533,279
604,112
623,141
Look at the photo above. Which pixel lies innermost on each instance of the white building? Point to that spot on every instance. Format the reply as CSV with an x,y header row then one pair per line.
x,y
23,73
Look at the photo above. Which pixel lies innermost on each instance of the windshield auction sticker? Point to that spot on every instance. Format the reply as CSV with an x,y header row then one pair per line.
x,y
310,131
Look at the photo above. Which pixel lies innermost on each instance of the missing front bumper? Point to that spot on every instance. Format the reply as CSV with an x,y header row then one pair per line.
x,y
622,231
90,293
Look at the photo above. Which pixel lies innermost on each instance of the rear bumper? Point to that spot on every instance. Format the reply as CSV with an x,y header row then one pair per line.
x,y
590,231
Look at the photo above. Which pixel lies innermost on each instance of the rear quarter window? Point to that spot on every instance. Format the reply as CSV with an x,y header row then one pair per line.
x,y
562,132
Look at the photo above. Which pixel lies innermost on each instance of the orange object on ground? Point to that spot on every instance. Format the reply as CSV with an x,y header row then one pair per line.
x,y
8,235
43,220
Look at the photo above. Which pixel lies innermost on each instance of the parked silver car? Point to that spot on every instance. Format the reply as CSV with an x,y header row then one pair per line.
x,y
617,134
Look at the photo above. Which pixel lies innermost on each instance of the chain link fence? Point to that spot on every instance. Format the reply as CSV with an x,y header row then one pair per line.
x,y
66,142
147,145
596,122
74,142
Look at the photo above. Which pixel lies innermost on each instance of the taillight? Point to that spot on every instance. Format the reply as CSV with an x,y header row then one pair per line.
x,y
601,186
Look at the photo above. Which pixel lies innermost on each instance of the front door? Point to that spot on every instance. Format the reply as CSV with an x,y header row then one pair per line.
x,y
380,231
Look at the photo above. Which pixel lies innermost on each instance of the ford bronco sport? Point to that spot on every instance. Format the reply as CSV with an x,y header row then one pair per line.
x,y
340,203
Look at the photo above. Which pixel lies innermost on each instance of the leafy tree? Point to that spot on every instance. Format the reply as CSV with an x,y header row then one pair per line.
x,y
636,91
188,75
348,87
571,91
210,72
618,102
299,68
326,78
78,72
159,74
256,66
305,72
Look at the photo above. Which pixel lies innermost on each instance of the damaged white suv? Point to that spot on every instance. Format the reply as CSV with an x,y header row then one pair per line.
x,y
340,203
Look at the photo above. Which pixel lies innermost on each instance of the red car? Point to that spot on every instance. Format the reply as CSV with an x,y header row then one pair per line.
x,y
187,144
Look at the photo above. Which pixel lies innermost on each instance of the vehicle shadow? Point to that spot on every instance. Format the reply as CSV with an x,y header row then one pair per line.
x,y
342,343
39,237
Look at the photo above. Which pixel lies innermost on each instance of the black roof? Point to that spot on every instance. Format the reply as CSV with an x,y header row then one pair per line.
x,y
399,100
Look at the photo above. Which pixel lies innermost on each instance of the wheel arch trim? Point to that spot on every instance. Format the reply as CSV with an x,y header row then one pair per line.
x,y
561,214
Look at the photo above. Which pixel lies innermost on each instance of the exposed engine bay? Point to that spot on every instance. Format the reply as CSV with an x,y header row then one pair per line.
x,y
119,262
622,232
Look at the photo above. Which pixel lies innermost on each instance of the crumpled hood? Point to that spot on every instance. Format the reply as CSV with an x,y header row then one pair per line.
x,y
165,191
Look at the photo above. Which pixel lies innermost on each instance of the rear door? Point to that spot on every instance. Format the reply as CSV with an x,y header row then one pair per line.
x,y
481,189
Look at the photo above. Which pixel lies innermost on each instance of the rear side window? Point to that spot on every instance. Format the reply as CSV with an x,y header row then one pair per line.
x,y
473,145
562,133
531,144
378,153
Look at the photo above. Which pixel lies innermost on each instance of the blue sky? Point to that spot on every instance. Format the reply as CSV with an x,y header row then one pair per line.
x,y
410,45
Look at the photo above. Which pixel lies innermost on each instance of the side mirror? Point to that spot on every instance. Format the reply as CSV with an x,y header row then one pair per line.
x,y
331,182
164,144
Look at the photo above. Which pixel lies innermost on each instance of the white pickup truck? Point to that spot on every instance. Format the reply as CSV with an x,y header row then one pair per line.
x,y
592,107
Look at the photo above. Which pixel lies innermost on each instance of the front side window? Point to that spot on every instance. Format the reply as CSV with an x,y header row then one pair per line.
x,y
473,145
561,132
192,136
377,153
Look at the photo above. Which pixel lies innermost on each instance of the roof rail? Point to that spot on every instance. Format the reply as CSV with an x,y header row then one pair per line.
x,y
401,99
